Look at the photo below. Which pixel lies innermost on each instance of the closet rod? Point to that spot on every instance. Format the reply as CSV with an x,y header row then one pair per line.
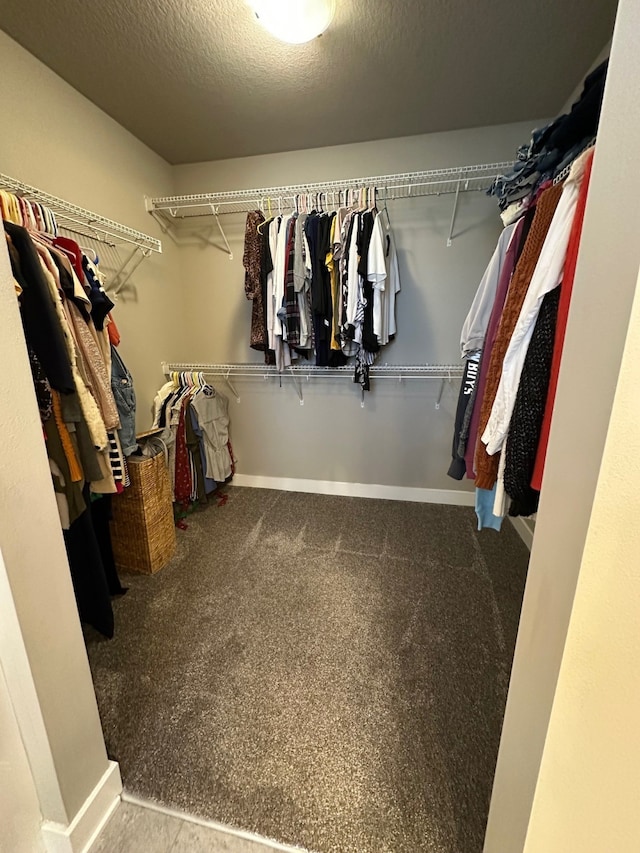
x,y
393,371
388,187
298,372
70,217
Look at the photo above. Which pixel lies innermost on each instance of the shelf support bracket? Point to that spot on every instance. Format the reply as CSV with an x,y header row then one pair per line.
x,y
231,386
440,393
214,211
297,385
117,283
453,215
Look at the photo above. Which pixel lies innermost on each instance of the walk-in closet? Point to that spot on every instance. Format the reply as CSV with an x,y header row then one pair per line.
x,y
318,479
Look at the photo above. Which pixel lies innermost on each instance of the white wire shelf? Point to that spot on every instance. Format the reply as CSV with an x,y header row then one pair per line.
x,y
388,187
298,372
393,371
76,219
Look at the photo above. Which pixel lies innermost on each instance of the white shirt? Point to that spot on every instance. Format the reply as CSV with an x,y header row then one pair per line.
x,y
546,276
475,325
377,275
354,291
392,285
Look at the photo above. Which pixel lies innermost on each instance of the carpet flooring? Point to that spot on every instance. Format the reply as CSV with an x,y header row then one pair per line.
x,y
328,672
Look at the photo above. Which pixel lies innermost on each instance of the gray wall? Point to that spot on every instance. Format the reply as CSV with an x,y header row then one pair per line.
x,y
398,438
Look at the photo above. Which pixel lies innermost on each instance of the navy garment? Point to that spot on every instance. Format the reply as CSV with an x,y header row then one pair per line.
x,y
90,583
41,325
101,305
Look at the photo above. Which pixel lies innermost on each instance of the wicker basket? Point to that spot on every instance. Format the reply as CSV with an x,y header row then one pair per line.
x,y
143,533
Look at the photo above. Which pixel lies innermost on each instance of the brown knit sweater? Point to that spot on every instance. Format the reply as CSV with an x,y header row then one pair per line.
x,y
487,466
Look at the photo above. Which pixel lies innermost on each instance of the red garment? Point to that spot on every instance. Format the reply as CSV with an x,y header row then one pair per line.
x,y
112,331
561,324
73,252
183,483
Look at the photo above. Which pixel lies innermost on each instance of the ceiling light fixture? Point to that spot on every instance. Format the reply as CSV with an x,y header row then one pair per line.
x,y
294,21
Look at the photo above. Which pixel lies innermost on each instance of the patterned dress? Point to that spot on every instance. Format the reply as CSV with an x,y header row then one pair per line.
x,y
252,278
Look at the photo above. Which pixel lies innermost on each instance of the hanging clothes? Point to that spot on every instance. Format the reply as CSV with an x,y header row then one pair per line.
x,y
71,367
563,313
457,468
526,420
474,328
487,465
41,327
251,259
472,341
546,277
514,391
194,420
125,399
212,409
552,147
328,282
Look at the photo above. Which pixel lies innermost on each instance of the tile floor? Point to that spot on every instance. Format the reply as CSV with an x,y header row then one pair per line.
x,y
135,828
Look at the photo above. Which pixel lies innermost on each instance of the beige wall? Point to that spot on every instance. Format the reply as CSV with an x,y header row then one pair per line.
x,y
189,304
589,785
19,807
603,292
42,652
55,139
331,437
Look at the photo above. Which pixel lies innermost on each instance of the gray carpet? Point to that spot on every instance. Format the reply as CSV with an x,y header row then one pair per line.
x,y
329,672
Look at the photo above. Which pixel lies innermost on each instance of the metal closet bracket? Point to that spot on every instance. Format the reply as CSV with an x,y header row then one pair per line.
x,y
214,211
118,282
297,385
231,386
442,381
455,209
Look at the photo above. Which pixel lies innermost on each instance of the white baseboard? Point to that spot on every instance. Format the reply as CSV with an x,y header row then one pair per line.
x,y
454,497
83,830
525,529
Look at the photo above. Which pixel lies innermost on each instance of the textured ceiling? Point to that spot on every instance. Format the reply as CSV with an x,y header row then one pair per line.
x,y
201,80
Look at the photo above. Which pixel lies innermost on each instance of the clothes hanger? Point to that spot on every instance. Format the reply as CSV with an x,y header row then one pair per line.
x,y
91,255
385,209
268,218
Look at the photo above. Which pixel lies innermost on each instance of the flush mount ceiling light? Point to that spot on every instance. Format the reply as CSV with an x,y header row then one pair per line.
x,y
294,21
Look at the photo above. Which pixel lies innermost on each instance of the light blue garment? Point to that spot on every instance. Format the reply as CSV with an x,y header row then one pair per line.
x,y
125,397
484,509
